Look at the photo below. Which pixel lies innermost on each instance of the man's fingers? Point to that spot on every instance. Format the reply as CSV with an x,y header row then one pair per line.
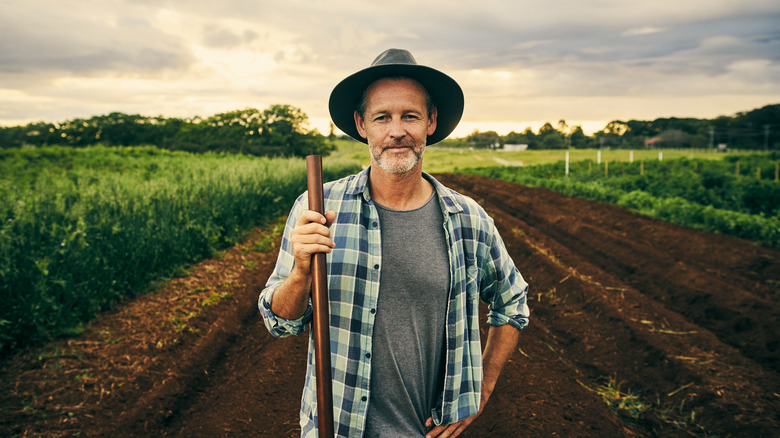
x,y
311,235
310,216
330,216
307,249
311,223
435,432
307,244
447,431
310,229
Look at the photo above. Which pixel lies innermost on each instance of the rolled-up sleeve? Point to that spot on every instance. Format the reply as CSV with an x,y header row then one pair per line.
x,y
502,286
280,327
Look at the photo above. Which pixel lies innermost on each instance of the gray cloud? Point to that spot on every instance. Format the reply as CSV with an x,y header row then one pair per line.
x,y
222,38
200,55
43,43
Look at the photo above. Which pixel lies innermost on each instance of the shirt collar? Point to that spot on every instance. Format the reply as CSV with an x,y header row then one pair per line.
x,y
359,186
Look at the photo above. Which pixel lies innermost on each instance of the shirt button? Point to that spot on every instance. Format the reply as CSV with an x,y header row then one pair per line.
x,y
364,398
376,266
368,355
374,224
373,311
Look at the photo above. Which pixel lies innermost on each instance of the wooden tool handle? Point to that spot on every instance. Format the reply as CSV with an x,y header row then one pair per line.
x,y
319,297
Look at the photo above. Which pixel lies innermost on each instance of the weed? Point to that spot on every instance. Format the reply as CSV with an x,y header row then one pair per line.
x,y
631,406
626,404
180,322
84,375
215,297
111,340
268,242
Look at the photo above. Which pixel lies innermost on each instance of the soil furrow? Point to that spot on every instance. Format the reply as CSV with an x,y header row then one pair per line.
x,y
670,271
612,324
639,329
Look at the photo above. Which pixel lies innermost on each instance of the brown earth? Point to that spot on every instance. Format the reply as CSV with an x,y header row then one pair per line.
x,y
639,329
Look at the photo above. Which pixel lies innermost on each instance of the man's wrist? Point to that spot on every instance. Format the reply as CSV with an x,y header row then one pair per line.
x,y
291,298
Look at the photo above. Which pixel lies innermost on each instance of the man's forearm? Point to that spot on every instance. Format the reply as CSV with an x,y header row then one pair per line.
x,y
291,299
500,346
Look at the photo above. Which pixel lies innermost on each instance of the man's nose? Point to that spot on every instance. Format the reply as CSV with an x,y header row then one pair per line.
x,y
397,129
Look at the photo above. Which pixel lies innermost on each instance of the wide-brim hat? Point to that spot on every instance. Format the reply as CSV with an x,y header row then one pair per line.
x,y
445,92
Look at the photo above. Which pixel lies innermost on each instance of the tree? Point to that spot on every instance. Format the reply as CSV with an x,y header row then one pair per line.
x,y
616,127
284,129
483,140
546,130
515,138
577,138
678,139
563,127
532,140
550,138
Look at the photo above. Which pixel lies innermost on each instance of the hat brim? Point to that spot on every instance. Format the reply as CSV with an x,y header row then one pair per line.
x,y
446,94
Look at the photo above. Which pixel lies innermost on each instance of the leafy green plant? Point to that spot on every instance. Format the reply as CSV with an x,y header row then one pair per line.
x,y
703,194
82,228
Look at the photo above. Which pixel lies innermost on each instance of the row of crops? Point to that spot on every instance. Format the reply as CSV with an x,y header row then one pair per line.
x,y
83,228
739,195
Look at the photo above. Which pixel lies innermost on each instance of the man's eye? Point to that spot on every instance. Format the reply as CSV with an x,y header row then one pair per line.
x,y
380,118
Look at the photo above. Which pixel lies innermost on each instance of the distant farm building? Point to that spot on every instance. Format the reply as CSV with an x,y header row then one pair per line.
x,y
514,147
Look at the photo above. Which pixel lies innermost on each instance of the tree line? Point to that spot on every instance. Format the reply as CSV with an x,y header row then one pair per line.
x,y
279,131
756,129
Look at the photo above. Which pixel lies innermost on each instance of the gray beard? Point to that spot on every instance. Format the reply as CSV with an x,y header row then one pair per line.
x,y
398,166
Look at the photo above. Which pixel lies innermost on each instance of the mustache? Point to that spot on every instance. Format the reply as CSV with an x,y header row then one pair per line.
x,y
400,143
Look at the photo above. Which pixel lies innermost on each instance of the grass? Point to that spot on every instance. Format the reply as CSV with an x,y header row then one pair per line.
x,y
632,406
626,403
268,241
82,228
447,160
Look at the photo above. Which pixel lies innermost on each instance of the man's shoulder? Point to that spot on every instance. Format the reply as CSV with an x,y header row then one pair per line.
x,y
459,203
351,184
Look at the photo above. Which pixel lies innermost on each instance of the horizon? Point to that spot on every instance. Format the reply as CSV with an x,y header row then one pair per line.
x,y
461,131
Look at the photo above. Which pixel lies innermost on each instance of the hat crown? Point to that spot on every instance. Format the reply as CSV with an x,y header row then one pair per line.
x,y
394,56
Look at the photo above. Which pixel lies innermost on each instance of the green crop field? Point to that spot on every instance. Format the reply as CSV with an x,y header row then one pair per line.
x,y
81,228
732,193
440,160
739,195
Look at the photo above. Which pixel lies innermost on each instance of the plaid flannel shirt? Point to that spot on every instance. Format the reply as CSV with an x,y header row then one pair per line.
x,y
480,268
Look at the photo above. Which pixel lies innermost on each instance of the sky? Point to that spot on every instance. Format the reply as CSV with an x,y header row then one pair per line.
x,y
520,63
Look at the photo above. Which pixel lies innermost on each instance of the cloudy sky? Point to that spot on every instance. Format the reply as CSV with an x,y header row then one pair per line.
x,y
520,63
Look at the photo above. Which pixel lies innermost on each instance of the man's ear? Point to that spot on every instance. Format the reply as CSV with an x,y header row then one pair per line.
x,y
359,124
432,121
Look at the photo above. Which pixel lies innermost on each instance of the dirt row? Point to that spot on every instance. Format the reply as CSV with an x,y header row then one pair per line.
x,y
639,328
681,318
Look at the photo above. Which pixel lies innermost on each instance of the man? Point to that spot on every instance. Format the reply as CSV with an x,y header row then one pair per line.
x,y
408,262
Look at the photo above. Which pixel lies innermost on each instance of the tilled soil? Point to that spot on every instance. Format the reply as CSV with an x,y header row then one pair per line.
x,y
639,328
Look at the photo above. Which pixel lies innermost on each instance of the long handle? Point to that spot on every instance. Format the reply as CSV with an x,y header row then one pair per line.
x,y
319,296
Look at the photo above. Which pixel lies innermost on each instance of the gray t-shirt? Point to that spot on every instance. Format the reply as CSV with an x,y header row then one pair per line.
x,y
408,340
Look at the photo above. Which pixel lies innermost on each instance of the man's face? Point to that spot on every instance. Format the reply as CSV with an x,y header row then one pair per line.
x,y
396,124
